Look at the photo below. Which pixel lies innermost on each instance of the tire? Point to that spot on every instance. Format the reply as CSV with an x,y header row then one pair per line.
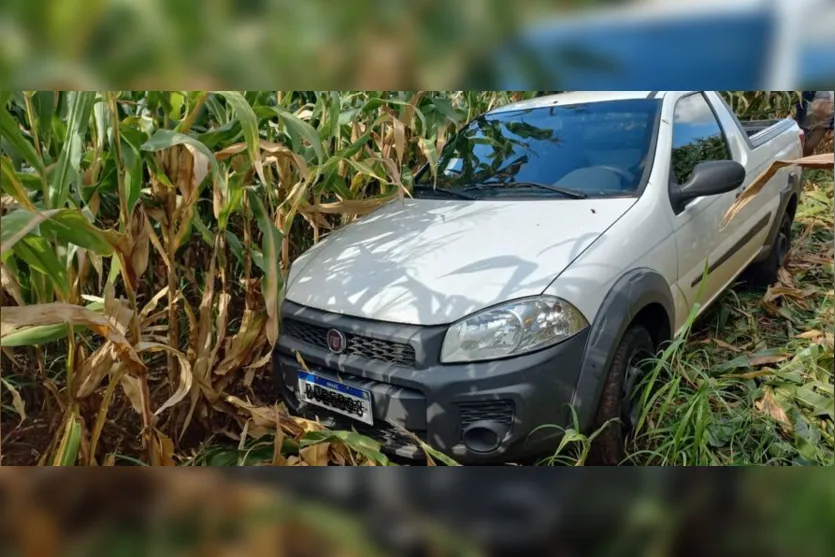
x,y
608,448
764,273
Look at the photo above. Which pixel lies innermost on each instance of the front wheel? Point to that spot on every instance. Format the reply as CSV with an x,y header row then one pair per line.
x,y
617,405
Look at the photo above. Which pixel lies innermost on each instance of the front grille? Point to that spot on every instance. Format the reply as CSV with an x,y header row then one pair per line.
x,y
394,353
499,411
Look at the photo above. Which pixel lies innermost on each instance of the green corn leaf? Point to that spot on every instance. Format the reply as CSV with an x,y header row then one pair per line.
x,y
70,443
271,248
43,102
10,131
40,256
67,170
363,168
104,125
205,233
15,225
235,246
428,146
10,183
249,124
444,106
30,181
67,225
297,128
331,130
133,177
361,444
226,134
233,190
73,227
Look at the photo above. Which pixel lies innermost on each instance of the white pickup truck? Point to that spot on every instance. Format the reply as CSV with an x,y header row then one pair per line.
x,y
563,239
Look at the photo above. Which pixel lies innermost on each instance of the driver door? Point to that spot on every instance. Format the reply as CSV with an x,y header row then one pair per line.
x,y
700,239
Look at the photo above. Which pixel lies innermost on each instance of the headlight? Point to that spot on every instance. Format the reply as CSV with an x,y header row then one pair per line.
x,y
511,329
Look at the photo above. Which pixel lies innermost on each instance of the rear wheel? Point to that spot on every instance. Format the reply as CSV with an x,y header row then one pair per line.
x,y
764,273
617,402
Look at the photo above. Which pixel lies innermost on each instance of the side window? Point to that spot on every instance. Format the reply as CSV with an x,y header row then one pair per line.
x,y
697,136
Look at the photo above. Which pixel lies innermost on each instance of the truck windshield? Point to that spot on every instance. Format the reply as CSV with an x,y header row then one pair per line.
x,y
597,149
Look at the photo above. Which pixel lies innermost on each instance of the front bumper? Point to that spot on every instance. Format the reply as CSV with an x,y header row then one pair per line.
x,y
476,413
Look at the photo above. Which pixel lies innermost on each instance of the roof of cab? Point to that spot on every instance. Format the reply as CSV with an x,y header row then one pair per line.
x,y
575,97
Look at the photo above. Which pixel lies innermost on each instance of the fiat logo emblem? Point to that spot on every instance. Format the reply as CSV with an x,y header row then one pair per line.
x,y
336,341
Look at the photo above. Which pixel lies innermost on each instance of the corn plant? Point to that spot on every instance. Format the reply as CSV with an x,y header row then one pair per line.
x,y
147,233
762,105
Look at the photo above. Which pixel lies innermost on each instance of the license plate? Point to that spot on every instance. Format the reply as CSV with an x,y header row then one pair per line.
x,y
336,397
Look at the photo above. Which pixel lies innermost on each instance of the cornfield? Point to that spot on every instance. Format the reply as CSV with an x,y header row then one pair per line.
x,y
145,238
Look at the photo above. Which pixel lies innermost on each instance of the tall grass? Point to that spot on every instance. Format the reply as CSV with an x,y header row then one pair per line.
x,y
749,382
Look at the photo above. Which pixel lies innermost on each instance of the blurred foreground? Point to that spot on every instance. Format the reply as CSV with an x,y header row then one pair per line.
x,y
259,511
396,44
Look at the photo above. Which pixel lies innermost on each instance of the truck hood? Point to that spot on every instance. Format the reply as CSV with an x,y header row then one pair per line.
x,y
432,262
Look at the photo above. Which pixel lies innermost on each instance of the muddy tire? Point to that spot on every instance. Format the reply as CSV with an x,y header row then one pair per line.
x,y
764,273
608,448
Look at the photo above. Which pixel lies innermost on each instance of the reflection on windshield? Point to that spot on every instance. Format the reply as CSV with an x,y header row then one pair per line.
x,y
596,149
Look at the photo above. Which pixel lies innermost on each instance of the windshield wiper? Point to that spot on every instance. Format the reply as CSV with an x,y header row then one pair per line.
x,y
445,191
574,194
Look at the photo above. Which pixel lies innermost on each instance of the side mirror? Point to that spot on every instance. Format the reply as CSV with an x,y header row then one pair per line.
x,y
708,178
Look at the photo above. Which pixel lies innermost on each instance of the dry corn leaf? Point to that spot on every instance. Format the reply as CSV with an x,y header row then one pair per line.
x,y
132,388
399,131
411,108
163,453
767,359
751,374
769,406
118,311
775,292
348,206
221,324
200,340
185,373
152,304
279,151
822,162
9,283
14,318
94,369
315,455
139,239
244,343
230,151
260,362
722,344
152,236
268,416
17,401
278,441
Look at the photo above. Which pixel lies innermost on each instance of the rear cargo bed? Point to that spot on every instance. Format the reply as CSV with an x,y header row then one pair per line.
x,y
760,131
